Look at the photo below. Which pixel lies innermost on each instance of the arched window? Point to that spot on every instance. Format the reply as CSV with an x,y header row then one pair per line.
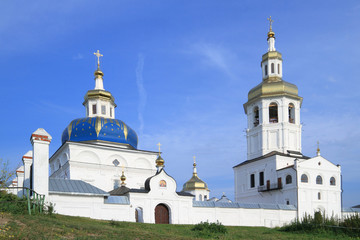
x,y
266,70
205,198
278,68
291,113
272,68
304,178
319,196
273,113
318,179
256,116
332,181
288,179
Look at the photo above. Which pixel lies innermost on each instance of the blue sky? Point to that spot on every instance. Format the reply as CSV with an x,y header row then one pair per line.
x,y
180,72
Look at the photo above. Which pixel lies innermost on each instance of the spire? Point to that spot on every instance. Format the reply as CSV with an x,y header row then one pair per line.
x,y
98,73
318,149
194,171
123,177
271,36
159,161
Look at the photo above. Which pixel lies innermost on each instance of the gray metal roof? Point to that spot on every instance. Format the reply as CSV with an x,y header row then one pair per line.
x,y
74,187
123,200
348,209
212,204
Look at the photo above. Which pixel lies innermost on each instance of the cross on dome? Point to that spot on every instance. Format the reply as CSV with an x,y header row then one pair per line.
x,y
270,21
98,55
159,148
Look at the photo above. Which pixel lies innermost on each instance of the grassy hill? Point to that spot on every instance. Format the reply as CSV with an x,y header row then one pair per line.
x,y
65,227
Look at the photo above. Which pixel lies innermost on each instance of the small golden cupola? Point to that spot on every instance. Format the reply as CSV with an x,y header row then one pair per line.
x,y
195,183
159,161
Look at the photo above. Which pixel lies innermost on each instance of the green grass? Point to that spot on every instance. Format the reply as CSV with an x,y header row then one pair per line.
x,y
65,227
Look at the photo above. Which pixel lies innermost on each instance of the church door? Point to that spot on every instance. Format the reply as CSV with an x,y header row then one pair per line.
x,y
161,214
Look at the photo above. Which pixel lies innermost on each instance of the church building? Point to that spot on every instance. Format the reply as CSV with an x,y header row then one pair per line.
x,y
99,172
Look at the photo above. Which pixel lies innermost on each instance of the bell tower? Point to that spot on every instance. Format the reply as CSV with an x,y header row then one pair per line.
x,y
273,108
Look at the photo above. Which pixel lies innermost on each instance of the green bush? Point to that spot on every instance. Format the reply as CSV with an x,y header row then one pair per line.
x,y
208,229
349,226
11,203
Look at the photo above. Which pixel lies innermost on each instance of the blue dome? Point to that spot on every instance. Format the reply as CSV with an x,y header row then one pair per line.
x,y
99,128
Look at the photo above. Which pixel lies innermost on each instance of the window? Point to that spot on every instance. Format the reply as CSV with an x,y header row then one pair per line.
x,y
266,70
278,68
256,116
261,178
252,180
291,113
205,198
287,202
103,109
304,178
319,196
272,68
87,110
318,179
288,179
273,113
94,108
332,181
200,197
111,110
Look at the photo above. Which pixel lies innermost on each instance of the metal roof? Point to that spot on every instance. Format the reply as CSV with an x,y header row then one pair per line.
x,y
212,204
123,200
348,209
74,187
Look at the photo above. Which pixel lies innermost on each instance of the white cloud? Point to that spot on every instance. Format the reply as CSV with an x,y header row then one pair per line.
x,y
141,90
218,56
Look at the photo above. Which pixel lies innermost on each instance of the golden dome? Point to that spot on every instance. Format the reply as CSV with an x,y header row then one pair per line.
x,y
271,34
159,161
98,72
195,183
272,87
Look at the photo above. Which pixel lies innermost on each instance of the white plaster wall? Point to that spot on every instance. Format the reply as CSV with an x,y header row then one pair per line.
x,y
308,192
244,192
93,163
89,206
243,217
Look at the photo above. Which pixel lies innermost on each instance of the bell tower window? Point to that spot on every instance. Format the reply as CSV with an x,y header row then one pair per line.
x,y
273,113
266,70
291,113
94,108
272,68
103,109
278,68
256,116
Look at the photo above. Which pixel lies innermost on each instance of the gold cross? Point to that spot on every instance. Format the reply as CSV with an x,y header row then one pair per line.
x,y
318,147
271,21
98,55
159,147
194,159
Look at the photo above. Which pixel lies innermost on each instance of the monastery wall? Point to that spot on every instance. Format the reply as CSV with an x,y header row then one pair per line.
x,y
243,216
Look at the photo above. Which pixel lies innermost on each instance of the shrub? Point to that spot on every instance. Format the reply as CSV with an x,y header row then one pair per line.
x,y
319,223
210,228
11,203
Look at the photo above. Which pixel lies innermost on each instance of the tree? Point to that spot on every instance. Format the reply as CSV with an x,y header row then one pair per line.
x,y
5,173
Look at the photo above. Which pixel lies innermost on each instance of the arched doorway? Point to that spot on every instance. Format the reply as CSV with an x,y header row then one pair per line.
x,y
139,214
161,214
